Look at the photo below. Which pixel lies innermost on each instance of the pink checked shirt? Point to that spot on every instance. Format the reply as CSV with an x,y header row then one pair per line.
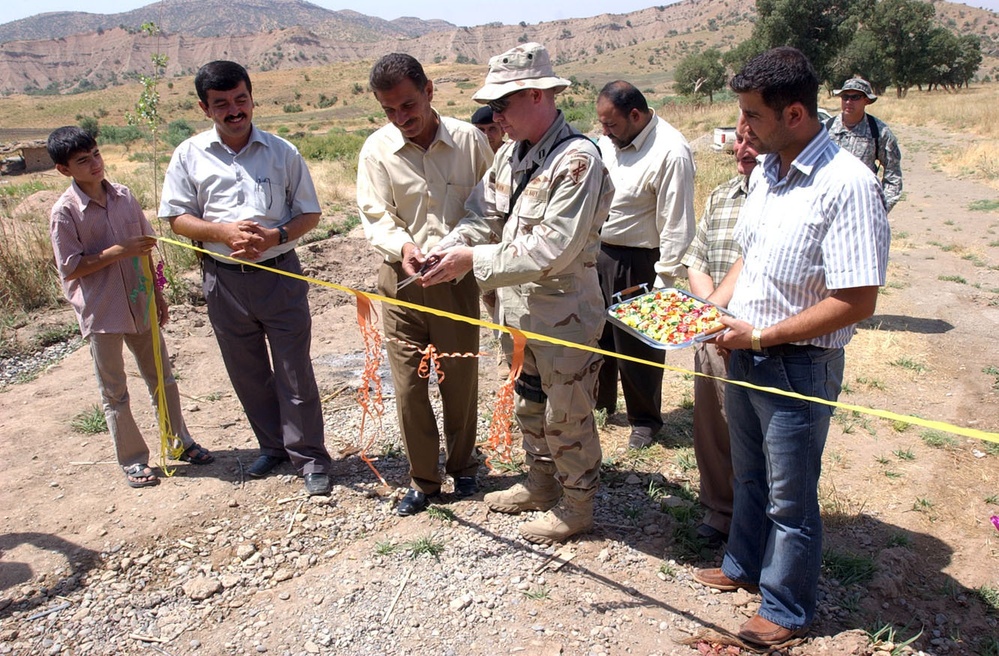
x,y
112,300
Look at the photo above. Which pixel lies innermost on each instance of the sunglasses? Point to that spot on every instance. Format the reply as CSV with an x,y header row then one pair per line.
x,y
852,96
500,105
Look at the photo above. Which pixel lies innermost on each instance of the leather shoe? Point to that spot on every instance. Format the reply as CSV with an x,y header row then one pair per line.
x,y
713,538
318,485
465,486
414,502
761,631
641,437
714,578
265,464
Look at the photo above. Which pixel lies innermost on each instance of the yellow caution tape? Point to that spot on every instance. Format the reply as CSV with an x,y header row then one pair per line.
x,y
884,414
170,444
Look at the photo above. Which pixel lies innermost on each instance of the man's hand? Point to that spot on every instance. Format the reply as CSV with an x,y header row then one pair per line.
x,y
162,309
137,246
738,336
246,239
413,259
454,263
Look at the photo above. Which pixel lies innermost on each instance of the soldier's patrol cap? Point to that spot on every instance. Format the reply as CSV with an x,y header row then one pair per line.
x,y
527,66
858,84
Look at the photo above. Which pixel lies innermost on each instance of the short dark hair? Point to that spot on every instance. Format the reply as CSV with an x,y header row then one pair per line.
x,y
782,76
67,141
220,75
625,97
393,68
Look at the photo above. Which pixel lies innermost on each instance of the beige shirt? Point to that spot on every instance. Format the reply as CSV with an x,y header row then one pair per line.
x,y
407,194
653,195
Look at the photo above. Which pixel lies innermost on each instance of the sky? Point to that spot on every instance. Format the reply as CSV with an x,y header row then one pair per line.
x,y
465,12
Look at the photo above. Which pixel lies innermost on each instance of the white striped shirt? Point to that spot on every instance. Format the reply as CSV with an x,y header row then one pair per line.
x,y
821,229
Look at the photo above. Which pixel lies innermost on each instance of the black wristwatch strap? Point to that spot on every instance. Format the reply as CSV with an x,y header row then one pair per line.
x,y
283,238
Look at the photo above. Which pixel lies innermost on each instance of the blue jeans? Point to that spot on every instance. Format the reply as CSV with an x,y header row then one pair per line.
x,y
776,534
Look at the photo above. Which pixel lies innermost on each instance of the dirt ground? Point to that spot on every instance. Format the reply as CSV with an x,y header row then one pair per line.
x,y
914,502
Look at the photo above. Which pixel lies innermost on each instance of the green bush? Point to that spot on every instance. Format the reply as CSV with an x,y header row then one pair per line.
x,y
120,134
178,131
334,145
292,108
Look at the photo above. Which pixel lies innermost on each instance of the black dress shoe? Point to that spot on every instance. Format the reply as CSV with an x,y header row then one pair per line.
x,y
318,485
465,486
264,464
712,537
414,502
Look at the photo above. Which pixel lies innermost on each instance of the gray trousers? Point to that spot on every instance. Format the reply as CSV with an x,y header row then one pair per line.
x,y
711,439
109,367
252,312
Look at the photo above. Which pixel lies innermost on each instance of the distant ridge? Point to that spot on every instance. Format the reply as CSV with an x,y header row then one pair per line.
x,y
74,51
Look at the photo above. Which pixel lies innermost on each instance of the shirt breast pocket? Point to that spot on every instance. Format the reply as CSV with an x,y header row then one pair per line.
x,y
454,203
263,194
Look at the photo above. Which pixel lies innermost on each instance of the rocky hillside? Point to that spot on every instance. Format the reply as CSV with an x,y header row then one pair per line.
x,y
66,52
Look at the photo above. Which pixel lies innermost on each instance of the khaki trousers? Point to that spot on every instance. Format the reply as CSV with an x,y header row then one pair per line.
x,y
711,440
109,367
458,377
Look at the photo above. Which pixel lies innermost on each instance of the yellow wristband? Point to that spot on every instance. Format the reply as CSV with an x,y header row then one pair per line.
x,y
755,339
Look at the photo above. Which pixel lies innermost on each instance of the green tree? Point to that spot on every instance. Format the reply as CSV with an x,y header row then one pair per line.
x,y
818,28
700,74
903,27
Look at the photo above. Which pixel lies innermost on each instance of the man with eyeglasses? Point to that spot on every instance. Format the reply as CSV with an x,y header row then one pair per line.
x,y
868,138
533,233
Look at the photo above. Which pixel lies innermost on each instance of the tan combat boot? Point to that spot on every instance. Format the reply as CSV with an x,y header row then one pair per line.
x,y
539,492
573,514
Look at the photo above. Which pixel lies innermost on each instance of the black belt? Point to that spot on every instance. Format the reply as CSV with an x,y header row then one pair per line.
x,y
790,349
246,268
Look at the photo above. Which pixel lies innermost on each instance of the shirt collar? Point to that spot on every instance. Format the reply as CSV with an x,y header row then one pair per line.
x,y
397,141
639,141
82,200
255,137
539,151
740,187
813,154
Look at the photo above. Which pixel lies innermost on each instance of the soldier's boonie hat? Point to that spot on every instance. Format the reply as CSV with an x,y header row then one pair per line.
x,y
527,66
858,84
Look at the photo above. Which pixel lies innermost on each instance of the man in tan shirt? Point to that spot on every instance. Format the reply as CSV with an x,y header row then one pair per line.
x,y
413,177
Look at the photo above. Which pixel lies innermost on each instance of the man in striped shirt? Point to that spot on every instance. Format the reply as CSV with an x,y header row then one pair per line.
x,y
814,238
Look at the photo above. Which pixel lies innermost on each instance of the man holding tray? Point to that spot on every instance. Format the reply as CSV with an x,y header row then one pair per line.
x,y
651,223
814,237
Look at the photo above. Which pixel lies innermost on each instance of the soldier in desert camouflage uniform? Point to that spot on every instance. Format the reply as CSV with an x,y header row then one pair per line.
x,y
533,233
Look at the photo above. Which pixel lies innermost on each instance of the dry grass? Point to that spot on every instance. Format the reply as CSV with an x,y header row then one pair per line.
x,y
27,274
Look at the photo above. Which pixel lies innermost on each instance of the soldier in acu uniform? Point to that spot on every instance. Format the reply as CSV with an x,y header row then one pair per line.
x,y
533,233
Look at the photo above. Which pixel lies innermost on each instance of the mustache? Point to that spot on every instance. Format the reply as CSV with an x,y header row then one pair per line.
x,y
235,117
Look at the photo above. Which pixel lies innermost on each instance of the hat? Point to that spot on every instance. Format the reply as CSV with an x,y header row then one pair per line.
x,y
858,84
527,66
482,116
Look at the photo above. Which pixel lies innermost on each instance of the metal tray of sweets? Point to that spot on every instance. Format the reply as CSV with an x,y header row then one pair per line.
x,y
619,312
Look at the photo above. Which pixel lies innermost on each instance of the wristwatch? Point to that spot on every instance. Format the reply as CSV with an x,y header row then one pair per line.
x,y
754,339
283,235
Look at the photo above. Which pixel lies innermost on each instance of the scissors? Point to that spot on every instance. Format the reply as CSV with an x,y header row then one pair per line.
x,y
430,263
